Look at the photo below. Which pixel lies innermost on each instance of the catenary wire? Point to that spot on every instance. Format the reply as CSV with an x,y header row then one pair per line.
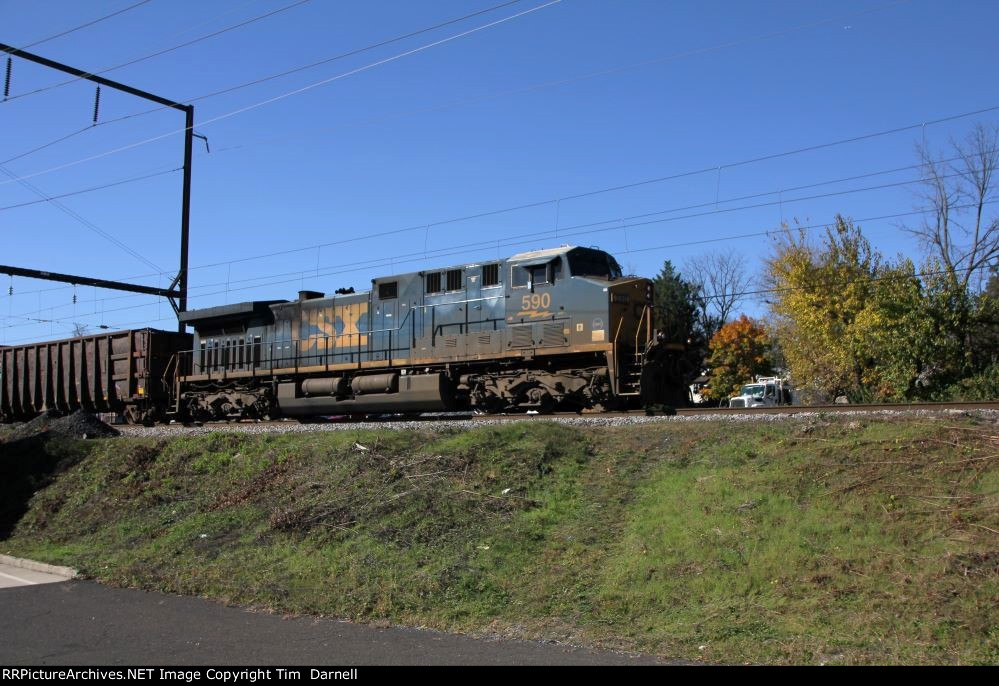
x,y
526,89
465,249
660,179
274,76
295,91
87,223
120,182
567,231
564,230
83,26
159,52
709,296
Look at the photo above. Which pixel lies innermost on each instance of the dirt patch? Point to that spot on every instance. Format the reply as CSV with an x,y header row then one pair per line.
x,y
976,564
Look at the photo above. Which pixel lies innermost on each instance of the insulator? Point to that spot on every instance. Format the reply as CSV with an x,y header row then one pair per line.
x,y
10,290
97,103
6,85
74,298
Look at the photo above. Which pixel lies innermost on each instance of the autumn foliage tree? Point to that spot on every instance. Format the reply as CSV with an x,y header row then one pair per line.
x,y
852,323
739,352
819,293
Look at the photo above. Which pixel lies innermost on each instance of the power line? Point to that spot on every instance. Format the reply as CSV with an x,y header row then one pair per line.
x,y
161,52
708,296
350,53
268,78
526,89
87,223
843,282
83,26
451,251
716,169
49,144
712,169
568,230
296,91
569,80
120,182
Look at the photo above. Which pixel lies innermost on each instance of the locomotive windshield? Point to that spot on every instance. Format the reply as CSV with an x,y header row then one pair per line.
x,y
596,263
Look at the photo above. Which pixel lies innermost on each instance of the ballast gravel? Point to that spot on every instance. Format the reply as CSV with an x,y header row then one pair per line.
x,y
452,423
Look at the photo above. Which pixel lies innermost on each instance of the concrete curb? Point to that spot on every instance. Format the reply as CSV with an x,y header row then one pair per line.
x,y
67,572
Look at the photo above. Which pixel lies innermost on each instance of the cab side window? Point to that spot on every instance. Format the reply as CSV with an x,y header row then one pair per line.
x,y
519,277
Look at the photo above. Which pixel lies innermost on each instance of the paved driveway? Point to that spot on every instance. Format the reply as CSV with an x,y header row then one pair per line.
x,y
84,623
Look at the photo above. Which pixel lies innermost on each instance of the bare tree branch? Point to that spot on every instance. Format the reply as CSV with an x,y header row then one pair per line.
x,y
720,278
962,247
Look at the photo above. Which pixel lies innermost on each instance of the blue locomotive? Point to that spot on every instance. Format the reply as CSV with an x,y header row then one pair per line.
x,y
541,330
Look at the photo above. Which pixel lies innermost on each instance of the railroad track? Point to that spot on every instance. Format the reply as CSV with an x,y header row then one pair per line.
x,y
460,417
797,409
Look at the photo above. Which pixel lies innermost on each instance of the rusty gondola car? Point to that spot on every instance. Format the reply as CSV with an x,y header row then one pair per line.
x,y
124,372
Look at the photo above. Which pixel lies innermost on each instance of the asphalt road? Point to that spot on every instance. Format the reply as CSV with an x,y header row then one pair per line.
x,y
84,623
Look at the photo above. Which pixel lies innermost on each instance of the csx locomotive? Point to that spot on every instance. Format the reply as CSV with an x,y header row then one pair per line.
x,y
542,330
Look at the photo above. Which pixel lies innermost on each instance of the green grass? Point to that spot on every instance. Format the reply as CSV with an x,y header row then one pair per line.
x,y
829,541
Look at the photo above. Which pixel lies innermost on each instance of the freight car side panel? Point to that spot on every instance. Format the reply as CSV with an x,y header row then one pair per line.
x,y
107,373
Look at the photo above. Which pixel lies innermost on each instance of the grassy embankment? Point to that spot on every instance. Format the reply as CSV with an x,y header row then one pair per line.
x,y
838,541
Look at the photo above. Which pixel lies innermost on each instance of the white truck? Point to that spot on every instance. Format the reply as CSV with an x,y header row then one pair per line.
x,y
766,391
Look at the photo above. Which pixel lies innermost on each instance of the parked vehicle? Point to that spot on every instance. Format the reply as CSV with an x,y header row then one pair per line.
x,y
766,391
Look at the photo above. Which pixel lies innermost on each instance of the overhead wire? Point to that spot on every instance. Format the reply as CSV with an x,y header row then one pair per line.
x,y
268,78
526,89
463,249
295,91
83,26
22,179
120,182
709,296
609,189
82,220
716,168
158,53
563,230
564,81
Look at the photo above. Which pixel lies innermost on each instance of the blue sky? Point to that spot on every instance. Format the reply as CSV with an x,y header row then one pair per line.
x,y
575,97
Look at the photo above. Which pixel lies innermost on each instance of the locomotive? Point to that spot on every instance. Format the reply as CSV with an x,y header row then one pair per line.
x,y
539,331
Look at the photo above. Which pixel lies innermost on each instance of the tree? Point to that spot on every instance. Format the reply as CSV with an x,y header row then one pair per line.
x,y
894,338
957,189
818,295
675,317
739,352
851,323
721,281
675,305
961,242
80,329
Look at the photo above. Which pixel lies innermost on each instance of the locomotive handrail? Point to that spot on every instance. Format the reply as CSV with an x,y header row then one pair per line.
x,y
638,330
221,360
617,361
459,302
